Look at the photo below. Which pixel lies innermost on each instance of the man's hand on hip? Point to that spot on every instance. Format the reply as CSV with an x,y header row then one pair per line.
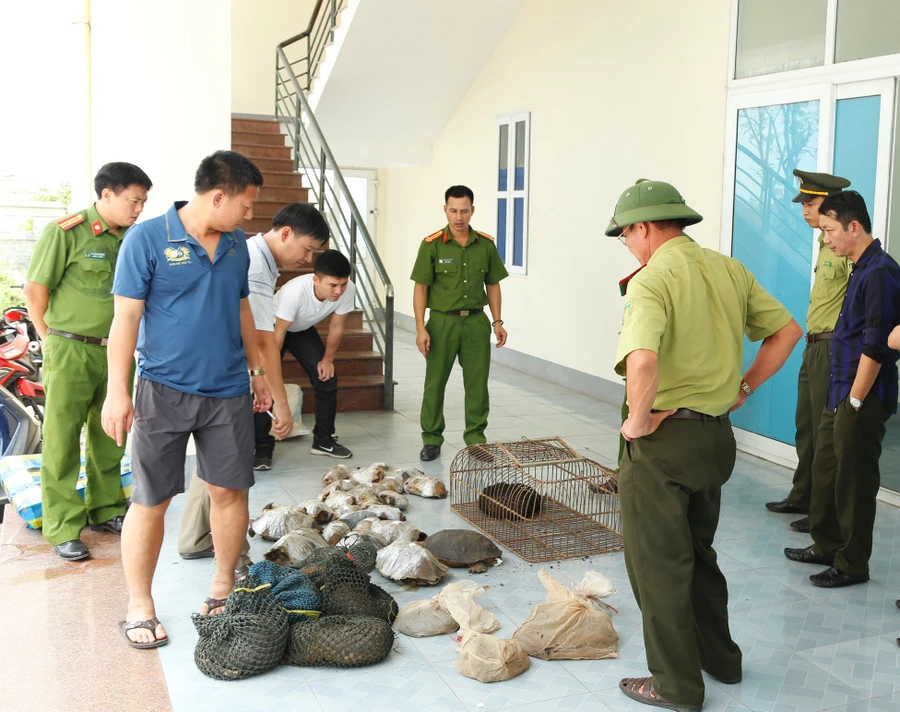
x,y
632,430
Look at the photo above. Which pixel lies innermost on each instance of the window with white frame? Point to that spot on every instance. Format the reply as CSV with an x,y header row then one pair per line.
x,y
513,163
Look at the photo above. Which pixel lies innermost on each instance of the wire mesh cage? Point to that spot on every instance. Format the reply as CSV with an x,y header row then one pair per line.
x,y
538,498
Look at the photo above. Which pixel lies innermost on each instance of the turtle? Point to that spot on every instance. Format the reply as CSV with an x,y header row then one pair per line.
x,y
459,548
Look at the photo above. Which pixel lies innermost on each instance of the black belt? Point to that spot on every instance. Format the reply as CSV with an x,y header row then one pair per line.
x,y
79,337
688,414
463,312
824,336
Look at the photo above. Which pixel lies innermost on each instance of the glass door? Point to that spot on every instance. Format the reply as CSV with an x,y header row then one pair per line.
x,y
770,237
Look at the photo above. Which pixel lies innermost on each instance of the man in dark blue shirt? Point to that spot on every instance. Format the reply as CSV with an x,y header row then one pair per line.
x,y
862,396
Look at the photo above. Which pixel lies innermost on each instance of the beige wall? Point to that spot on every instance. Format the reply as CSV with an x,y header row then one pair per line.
x,y
617,91
161,88
256,27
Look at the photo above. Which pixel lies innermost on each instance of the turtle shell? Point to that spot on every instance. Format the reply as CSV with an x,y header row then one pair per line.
x,y
461,547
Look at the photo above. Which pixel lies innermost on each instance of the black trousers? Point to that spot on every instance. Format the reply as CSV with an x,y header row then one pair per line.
x,y
307,347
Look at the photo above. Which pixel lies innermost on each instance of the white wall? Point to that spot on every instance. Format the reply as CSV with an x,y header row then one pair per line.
x,y
160,88
257,26
618,91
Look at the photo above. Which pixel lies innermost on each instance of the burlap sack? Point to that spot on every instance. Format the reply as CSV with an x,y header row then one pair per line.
x,y
566,627
488,659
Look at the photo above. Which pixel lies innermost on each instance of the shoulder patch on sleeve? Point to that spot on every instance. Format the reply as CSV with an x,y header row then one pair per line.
x,y
485,235
71,221
434,236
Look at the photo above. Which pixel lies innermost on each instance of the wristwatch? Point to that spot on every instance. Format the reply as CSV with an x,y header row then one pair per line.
x,y
855,403
745,387
257,371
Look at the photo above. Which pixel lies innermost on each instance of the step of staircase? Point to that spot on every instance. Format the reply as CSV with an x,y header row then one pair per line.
x,y
354,393
255,126
287,179
346,363
273,164
265,138
283,195
255,151
353,340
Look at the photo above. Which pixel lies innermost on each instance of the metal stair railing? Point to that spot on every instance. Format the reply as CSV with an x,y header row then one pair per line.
x,y
328,189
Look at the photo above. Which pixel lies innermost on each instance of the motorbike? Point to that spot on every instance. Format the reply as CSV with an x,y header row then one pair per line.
x,y
20,432
20,366
19,314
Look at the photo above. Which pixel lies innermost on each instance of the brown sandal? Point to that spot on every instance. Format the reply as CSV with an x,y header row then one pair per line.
x,y
633,686
149,624
214,603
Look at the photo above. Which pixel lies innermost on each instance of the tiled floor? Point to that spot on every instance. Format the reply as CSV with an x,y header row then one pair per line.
x,y
804,648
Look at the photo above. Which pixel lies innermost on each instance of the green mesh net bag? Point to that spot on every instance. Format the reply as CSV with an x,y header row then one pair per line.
x,y
248,638
339,641
362,554
295,592
347,591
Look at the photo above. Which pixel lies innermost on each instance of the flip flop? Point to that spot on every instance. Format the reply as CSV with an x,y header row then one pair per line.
x,y
214,603
149,624
631,686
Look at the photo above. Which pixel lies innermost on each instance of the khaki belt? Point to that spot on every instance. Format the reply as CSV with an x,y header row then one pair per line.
x,y
688,414
463,312
824,336
79,337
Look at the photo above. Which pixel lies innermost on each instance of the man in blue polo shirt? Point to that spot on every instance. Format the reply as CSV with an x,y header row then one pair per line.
x,y
861,397
181,299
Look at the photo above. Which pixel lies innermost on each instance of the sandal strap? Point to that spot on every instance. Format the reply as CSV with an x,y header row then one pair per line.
x,y
149,624
214,603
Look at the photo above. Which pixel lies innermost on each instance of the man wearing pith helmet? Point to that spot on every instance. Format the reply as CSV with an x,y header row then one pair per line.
x,y
685,316
829,287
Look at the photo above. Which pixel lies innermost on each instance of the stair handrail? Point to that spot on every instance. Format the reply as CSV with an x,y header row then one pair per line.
x,y
317,35
313,156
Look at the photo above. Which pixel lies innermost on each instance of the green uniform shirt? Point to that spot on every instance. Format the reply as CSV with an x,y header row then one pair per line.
x,y
76,259
457,275
692,306
829,287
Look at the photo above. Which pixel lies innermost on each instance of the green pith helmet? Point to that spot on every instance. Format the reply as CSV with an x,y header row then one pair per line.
x,y
815,184
648,201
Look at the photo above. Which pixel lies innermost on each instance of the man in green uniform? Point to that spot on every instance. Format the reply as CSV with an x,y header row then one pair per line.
x,y
685,316
829,287
457,272
68,296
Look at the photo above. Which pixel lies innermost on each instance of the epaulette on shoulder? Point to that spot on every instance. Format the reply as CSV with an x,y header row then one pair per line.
x,y
485,235
434,236
71,221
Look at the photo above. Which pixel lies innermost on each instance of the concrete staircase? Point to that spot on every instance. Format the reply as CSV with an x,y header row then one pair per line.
x,y
359,369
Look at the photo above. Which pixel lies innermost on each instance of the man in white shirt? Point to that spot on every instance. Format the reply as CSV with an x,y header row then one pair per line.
x,y
299,306
298,230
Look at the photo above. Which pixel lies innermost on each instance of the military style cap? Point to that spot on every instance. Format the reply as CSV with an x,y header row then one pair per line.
x,y
813,184
648,201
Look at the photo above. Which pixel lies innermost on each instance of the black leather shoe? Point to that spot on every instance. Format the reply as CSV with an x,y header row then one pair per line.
x,y
207,553
808,556
73,550
800,525
785,507
832,578
113,526
430,452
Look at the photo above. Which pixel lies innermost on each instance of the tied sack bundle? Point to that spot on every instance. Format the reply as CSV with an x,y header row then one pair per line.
x,y
248,638
485,658
566,627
